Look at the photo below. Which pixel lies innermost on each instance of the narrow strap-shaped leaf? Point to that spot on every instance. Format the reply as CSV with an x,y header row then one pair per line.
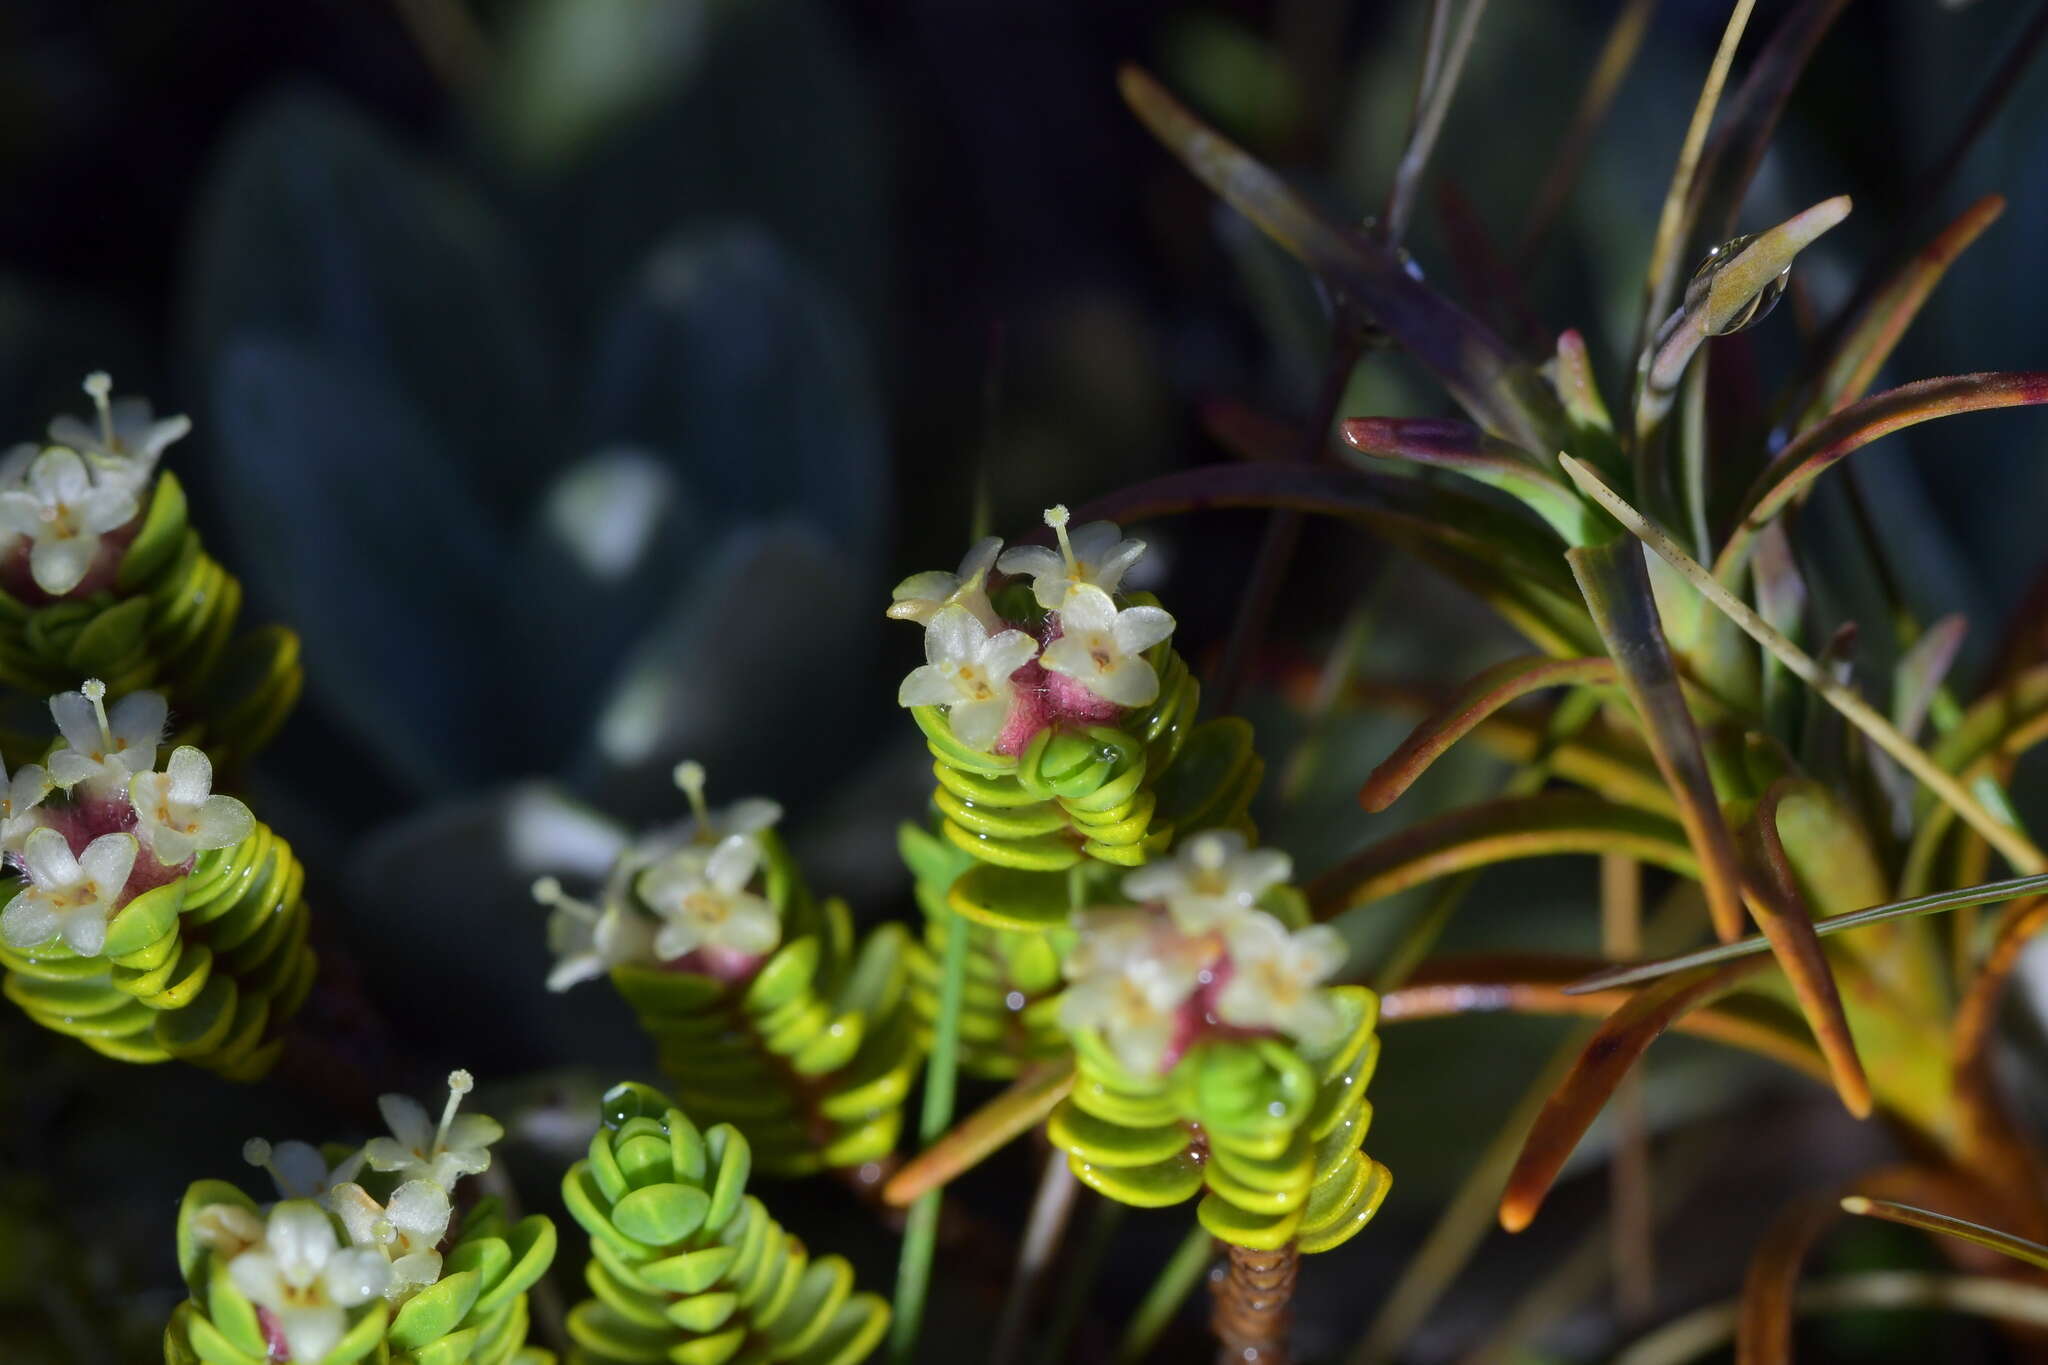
x,y
1006,1117
1713,308
1856,426
1927,1220
1616,587
1868,338
1738,144
1775,902
1771,1285
1474,703
1920,671
1610,1055
1432,102
1498,831
2017,848
1674,220
1467,524
1503,394
1457,445
1629,974
1530,984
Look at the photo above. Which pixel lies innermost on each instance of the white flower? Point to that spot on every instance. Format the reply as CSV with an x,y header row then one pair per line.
x,y
1211,880
175,816
19,798
71,896
967,671
128,441
1275,977
1102,648
420,1151
703,901
297,1168
1096,556
404,1231
922,596
63,512
307,1281
1130,990
588,942
748,815
227,1230
105,752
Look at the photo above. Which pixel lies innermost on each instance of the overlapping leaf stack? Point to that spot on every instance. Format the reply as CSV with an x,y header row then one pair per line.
x,y
687,1266
1009,1011
474,1314
1267,1129
166,622
207,969
813,1054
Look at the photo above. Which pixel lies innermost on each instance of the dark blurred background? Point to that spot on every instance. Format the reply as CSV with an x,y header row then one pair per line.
x,y
577,375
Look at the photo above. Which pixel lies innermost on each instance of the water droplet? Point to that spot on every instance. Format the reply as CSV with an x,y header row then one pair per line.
x,y
1015,1000
1757,308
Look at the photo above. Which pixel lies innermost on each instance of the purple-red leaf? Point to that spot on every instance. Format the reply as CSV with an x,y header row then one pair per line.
x,y
1503,394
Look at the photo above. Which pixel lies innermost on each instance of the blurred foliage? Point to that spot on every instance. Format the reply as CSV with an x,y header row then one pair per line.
x,y
579,375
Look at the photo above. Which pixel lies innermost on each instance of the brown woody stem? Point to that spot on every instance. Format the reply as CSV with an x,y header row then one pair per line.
x,y
1253,1308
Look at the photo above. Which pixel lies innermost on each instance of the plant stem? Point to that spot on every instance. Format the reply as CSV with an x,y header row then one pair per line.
x,y
1051,1207
920,1234
1183,1271
1254,1305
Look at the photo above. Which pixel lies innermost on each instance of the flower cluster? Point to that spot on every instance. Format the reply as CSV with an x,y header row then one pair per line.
x,y
292,1264
68,508
96,825
1197,957
1003,681
684,898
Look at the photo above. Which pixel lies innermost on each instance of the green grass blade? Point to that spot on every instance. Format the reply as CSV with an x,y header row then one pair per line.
x,y
1183,1271
2005,1243
1988,893
920,1234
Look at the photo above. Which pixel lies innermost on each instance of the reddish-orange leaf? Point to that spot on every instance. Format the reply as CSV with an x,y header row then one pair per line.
x,y
1474,703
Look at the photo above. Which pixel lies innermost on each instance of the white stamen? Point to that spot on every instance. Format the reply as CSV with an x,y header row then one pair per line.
x,y
460,1083
100,385
1056,517
96,692
690,777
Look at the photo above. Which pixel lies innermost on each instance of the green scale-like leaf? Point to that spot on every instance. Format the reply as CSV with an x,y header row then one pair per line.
x,y
813,1056
475,1314
1271,1131
208,968
686,1266
167,623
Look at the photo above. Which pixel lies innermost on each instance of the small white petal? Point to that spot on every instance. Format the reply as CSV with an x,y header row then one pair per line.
x,y
59,475
78,721
190,775
59,564
733,863
108,860
137,721
1086,610
311,1332
28,921
223,822
85,929
1139,628
51,864
978,724
408,1121
927,685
